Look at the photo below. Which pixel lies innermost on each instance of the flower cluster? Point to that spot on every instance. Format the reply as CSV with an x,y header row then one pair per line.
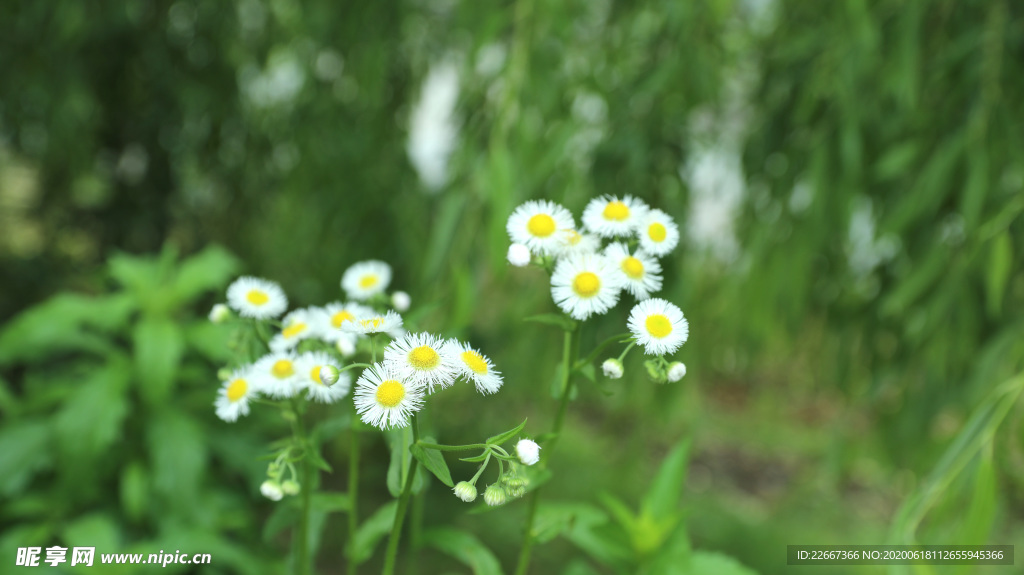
x,y
306,354
588,278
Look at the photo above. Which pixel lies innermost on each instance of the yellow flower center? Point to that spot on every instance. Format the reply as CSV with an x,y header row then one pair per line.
x,y
314,374
368,281
341,317
586,284
424,357
658,325
390,393
541,225
616,210
633,267
575,238
293,330
237,389
475,361
371,323
656,231
282,368
256,297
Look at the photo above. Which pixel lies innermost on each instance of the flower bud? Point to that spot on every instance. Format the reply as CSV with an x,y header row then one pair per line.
x,y
401,301
516,492
272,490
528,451
612,368
519,255
329,375
465,491
676,371
346,345
290,487
219,313
223,374
655,372
494,495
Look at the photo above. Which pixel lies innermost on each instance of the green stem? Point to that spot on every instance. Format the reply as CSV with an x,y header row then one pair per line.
x,y
622,355
353,496
403,504
439,447
482,467
524,552
353,366
597,350
302,533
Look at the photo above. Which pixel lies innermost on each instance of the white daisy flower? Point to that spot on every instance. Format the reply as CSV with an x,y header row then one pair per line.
x,y
424,359
572,242
309,365
585,284
535,224
298,325
609,216
373,322
366,279
346,344
257,298
233,397
658,326
640,273
658,234
335,314
277,375
384,399
474,366
519,255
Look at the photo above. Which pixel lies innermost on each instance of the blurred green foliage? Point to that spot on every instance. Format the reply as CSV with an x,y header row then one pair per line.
x,y
847,357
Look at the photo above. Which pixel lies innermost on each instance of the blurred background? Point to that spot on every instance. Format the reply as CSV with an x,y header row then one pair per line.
x,y
848,178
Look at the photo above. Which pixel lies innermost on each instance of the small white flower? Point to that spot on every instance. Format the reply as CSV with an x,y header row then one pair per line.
x,y
401,301
519,255
234,395
474,366
257,298
272,490
638,272
658,234
610,217
422,359
585,284
366,279
494,495
465,491
658,326
309,366
332,317
389,322
346,345
219,313
572,242
298,325
612,368
528,451
277,375
676,371
535,224
384,400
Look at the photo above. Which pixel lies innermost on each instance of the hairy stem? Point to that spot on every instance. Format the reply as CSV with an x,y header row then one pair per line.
x,y
403,505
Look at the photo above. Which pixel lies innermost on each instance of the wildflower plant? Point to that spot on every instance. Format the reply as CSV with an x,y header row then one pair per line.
x,y
357,359
613,255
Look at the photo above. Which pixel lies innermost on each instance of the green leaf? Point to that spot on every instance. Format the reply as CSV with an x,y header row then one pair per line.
x,y
134,490
474,459
464,547
703,562
65,322
401,459
177,450
556,518
977,524
137,273
555,319
998,272
503,437
434,462
372,531
331,501
589,372
90,419
318,460
158,348
662,498
208,270
24,450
